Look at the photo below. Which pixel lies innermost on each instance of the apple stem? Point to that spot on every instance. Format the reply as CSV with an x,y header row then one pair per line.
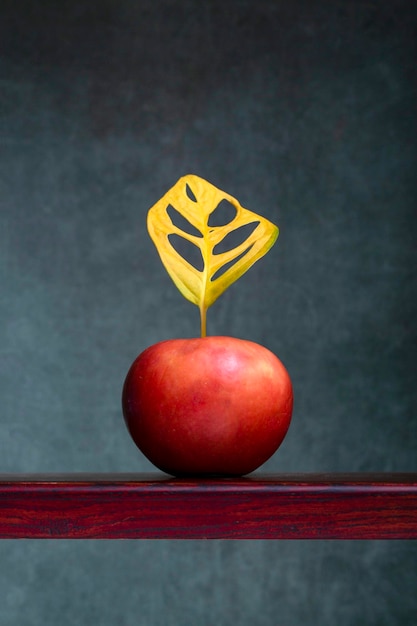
x,y
203,318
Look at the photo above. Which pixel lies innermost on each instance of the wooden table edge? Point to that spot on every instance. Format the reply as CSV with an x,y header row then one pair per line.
x,y
259,506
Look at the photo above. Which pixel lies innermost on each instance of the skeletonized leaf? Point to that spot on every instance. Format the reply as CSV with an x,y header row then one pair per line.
x,y
195,200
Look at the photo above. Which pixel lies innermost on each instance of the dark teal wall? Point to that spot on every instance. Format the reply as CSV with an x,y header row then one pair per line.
x,y
306,112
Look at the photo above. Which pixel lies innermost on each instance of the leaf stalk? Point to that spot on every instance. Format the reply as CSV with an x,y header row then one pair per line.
x,y
203,318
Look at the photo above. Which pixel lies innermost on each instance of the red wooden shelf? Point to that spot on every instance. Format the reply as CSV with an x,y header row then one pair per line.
x,y
131,506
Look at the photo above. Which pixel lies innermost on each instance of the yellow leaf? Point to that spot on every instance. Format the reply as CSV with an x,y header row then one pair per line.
x,y
195,200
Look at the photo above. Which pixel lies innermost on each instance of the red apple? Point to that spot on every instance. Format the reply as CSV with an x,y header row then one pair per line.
x,y
207,406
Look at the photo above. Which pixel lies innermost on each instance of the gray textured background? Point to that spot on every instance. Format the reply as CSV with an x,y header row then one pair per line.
x,y
305,111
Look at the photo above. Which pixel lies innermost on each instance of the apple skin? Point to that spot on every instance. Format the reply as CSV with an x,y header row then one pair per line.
x,y
211,406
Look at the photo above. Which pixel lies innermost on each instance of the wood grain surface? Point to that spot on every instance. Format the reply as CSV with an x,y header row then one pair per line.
x,y
155,506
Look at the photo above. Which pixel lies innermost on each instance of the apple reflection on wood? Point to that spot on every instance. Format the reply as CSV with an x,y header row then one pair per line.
x,y
207,406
